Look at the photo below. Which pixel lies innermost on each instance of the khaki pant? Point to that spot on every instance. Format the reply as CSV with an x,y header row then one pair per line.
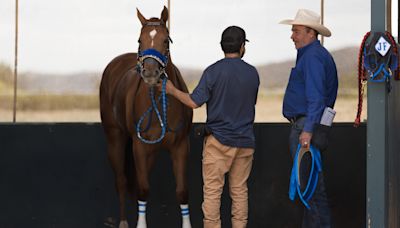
x,y
218,160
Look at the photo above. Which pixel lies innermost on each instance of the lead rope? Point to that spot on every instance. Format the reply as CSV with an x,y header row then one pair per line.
x,y
295,177
162,120
362,80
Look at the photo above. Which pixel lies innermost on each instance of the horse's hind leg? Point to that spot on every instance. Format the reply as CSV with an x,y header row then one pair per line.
x,y
179,157
117,140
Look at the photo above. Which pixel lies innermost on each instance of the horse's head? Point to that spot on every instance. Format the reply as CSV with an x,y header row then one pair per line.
x,y
153,47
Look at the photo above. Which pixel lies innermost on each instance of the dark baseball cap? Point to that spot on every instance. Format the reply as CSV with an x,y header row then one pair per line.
x,y
233,35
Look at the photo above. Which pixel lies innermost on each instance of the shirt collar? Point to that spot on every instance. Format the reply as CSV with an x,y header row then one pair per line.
x,y
302,50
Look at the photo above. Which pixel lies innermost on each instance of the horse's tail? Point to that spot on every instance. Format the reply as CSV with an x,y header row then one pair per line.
x,y
130,172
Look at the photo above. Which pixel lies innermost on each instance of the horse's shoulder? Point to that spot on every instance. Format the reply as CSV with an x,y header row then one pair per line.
x,y
180,83
120,76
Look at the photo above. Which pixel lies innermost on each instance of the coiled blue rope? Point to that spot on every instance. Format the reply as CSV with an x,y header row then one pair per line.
x,y
387,74
295,184
162,119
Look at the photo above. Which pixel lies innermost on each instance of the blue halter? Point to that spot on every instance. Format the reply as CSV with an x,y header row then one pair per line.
x,y
375,68
380,68
154,54
316,168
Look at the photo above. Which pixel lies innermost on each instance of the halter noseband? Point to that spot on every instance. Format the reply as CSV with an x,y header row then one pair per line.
x,y
154,54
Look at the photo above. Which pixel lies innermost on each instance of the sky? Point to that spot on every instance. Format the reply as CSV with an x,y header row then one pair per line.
x,y
60,36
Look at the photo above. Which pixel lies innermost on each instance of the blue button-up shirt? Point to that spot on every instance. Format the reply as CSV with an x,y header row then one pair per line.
x,y
312,86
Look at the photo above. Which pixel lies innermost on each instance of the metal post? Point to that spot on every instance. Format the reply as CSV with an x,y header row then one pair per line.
x,y
383,182
15,63
322,20
169,15
393,153
377,136
389,16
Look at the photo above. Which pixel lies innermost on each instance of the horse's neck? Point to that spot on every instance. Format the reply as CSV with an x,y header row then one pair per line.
x,y
170,70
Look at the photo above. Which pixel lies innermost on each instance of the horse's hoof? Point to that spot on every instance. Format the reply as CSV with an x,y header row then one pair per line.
x,y
141,223
186,223
123,224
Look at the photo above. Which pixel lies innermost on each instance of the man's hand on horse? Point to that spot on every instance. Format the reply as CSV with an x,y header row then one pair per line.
x,y
169,87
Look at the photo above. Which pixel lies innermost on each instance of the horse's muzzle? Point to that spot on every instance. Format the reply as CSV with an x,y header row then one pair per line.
x,y
151,71
151,77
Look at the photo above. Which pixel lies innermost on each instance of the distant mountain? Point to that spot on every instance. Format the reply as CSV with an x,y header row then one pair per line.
x,y
273,75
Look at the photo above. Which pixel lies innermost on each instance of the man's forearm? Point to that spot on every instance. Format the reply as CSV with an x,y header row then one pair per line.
x,y
184,98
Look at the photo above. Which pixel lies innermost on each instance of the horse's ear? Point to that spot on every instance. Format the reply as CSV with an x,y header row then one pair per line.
x,y
164,15
142,19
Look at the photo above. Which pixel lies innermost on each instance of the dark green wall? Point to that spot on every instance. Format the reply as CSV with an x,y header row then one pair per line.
x,y
57,175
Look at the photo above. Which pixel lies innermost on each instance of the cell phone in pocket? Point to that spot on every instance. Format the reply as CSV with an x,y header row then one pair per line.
x,y
328,116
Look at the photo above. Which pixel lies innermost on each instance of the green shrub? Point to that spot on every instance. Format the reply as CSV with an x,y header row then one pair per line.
x,y
6,74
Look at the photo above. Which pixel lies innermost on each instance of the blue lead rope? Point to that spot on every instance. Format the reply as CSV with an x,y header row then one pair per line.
x,y
162,120
295,184
387,67
386,74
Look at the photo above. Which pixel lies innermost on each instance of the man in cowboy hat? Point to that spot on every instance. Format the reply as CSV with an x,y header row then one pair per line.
x,y
312,87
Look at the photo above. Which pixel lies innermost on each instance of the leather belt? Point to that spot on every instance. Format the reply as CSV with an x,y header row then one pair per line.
x,y
293,120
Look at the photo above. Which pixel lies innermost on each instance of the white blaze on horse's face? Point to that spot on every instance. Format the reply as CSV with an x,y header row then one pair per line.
x,y
152,34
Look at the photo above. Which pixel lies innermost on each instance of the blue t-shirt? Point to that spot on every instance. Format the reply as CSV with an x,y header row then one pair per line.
x,y
312,86
229,87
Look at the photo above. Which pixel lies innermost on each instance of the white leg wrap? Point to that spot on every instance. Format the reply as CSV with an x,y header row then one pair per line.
x,y
185,216
123,224
141,223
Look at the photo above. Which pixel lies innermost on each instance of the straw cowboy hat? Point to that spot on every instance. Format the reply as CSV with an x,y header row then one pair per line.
x,y
310,19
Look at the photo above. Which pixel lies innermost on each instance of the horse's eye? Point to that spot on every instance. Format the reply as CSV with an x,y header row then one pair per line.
x,y
139,41
166,41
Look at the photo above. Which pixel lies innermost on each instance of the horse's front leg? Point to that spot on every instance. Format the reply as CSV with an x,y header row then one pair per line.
x,y
179,157
116,141
144,159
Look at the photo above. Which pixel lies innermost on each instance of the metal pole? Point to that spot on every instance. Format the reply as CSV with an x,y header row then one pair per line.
x,y
169,15
322,20
377,146
15,62
389,16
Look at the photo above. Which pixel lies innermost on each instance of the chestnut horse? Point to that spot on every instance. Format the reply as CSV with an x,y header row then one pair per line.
x,y
133,109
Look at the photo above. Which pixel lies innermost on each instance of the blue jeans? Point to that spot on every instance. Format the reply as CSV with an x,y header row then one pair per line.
x,y
319,216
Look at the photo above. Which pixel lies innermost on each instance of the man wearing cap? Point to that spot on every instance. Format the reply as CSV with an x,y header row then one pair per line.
x,y
229,88
312,87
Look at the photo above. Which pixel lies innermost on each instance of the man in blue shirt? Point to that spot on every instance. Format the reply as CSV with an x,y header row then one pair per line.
x,y
312,87
229,87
